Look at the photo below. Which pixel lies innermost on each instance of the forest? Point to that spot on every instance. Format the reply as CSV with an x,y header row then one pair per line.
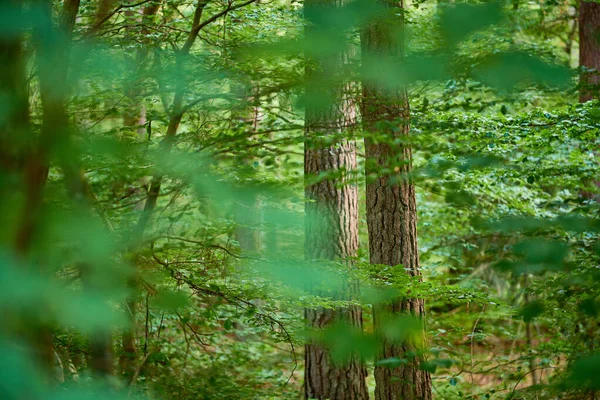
x,y
284,199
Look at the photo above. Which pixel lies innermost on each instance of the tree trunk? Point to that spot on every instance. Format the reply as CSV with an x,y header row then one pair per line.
x,y
589,58
247,208
589,49
331,222
391,204
52,51
135,117
101,354
17,142
53,60
128,336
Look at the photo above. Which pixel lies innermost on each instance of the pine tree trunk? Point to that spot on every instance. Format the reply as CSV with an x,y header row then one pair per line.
x,y
589,49
391,203
331,224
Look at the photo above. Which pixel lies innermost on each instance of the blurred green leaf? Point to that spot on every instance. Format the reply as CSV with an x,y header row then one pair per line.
x,y
457,21
505,71
171,300
532,310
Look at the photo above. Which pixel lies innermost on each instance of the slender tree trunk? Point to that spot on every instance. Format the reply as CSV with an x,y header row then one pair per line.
x,y
128,337
247,208
135,117
391,205
177,112
248,217
589,49
331,224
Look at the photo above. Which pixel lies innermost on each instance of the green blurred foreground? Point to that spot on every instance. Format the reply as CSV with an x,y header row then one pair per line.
x,y
153,187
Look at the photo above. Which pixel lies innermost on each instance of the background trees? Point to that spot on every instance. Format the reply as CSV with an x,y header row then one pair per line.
x,y
134,184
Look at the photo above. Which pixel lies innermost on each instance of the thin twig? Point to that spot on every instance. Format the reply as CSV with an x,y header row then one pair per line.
x,y
108,16
237,301
137,371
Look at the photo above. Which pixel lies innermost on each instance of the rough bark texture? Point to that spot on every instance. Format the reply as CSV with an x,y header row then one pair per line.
x,y
589,49
331,224
391,204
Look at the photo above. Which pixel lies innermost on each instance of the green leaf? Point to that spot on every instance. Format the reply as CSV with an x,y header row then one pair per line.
x,y
589,307
505,71
171,300
428,366
532,310
392,362
584,373
460,20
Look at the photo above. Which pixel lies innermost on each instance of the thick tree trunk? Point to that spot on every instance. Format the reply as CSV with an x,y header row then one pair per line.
x,y
589,49
589,58
101,354
53,60
18,148
331,224
391,204
52,51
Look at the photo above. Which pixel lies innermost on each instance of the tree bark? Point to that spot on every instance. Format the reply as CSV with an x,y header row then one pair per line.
x,y
331,210
589,49
52,51
391,204
17,143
